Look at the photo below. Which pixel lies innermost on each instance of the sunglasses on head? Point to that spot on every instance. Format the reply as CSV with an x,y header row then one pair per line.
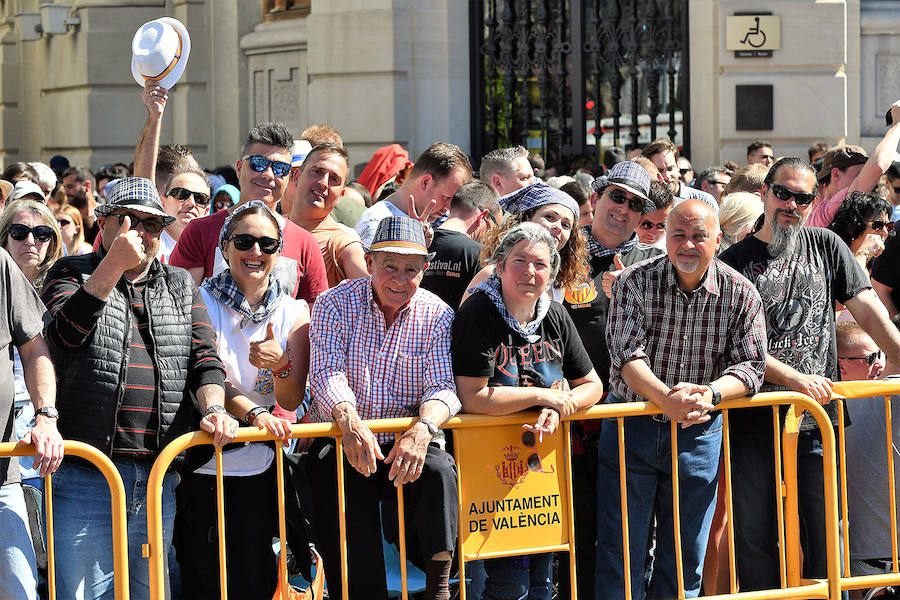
x,y
245,241
885,226
784,194
634,203
180,193
648,225
869,358
41,233
261,163
150,224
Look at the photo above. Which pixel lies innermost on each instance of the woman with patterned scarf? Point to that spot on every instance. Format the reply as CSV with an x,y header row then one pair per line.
x,y
263,340
498,369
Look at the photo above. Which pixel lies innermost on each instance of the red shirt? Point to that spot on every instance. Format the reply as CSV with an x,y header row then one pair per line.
x,y
300,268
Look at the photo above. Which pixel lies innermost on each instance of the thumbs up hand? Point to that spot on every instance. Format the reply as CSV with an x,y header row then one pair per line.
x,y
127,249
268,353
610,276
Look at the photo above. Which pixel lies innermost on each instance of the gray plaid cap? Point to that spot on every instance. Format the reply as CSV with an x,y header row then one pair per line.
x,y
631,177
137,194
400,235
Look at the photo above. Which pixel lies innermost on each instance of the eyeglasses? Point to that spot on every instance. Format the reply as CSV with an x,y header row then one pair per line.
x,y
784,194
885,226
720,182
869,358
634,203
63,222
41,233
648,225
245,241
150,224
180,193
261,163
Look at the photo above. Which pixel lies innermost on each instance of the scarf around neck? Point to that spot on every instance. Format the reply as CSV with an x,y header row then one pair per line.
x,y
491,288
223,288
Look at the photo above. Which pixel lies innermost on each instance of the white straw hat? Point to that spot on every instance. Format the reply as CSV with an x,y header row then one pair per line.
x,y
160,51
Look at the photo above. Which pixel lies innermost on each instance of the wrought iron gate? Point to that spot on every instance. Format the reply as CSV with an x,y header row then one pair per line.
x,y
574,77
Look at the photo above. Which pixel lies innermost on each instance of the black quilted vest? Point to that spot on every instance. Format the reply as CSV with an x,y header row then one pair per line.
x,y
89,377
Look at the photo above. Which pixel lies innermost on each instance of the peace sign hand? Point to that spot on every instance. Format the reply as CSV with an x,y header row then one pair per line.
x,y
423,218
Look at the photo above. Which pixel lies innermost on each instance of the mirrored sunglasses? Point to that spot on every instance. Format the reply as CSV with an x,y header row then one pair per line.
x,y
261,163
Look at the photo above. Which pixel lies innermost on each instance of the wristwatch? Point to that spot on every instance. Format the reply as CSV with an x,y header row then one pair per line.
x,y
253,413
432,428
48,411
215,408
716,394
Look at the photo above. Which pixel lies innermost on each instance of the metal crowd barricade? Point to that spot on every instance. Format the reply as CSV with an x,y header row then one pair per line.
x,y
865,389
119,521
551,455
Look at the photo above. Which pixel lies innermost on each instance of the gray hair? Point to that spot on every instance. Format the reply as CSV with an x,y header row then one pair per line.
x,y
500,161
533,234
46,176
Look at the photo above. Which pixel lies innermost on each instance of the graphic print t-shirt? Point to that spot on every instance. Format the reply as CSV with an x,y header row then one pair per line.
x,y
455,264
484,345
799,292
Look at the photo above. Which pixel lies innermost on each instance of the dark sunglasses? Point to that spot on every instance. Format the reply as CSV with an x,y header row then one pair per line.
x,y
885,226
150,224
261,163
685,171
870,358
636,204
896,189
63,222
245,241
649,225
41,233
533,461
784,194
180,193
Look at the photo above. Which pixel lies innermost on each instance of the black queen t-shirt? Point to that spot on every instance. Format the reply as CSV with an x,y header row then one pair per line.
x,y
485,346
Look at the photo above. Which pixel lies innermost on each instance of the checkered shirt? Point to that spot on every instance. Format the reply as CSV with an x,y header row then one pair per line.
x,y
718,329
385,372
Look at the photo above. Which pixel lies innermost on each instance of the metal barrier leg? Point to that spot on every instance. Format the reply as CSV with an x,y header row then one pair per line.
x,y
623,498
401,536
729,505
676,511
220,519
567,460
342,514
51,544
790,492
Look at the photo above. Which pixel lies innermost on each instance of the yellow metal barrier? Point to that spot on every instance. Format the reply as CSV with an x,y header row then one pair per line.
x,y
117,494
828,588
866,389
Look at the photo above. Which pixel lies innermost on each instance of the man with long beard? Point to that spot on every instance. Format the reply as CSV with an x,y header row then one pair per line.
x,y
799,272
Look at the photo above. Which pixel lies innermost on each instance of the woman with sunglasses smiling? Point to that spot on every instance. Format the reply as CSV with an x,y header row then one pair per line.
x,y
263,342
70,226
558,213
514,349
187,198
863,221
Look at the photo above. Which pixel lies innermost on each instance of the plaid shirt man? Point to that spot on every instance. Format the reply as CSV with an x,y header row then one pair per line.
x,y
383,372
718,329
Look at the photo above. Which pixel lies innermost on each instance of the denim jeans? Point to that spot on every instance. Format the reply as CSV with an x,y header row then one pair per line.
x,y
82,519
519,577
18,572
755,527
649,484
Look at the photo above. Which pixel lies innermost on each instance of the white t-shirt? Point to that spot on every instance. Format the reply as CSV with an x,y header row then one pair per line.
x,y
166,245
233,345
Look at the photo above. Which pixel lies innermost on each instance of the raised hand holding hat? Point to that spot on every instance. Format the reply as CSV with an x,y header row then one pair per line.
x,y
160,51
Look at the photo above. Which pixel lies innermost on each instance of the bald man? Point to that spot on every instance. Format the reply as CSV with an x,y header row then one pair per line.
x,y
685,332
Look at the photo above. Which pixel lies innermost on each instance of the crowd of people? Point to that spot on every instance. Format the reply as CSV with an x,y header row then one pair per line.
x,y
147,300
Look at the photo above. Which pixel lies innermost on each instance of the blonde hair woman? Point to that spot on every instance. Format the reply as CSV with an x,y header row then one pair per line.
x,y
737,214
71,226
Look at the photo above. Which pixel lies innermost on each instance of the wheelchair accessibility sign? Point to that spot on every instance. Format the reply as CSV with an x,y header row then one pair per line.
x,y
753,35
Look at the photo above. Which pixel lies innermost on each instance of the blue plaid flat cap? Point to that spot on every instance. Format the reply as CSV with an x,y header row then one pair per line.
x,y
400,235
537,194
135,193
631,177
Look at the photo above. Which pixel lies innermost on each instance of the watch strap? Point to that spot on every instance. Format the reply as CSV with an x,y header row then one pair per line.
x,y
47,411
253,413
215,408
432,428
